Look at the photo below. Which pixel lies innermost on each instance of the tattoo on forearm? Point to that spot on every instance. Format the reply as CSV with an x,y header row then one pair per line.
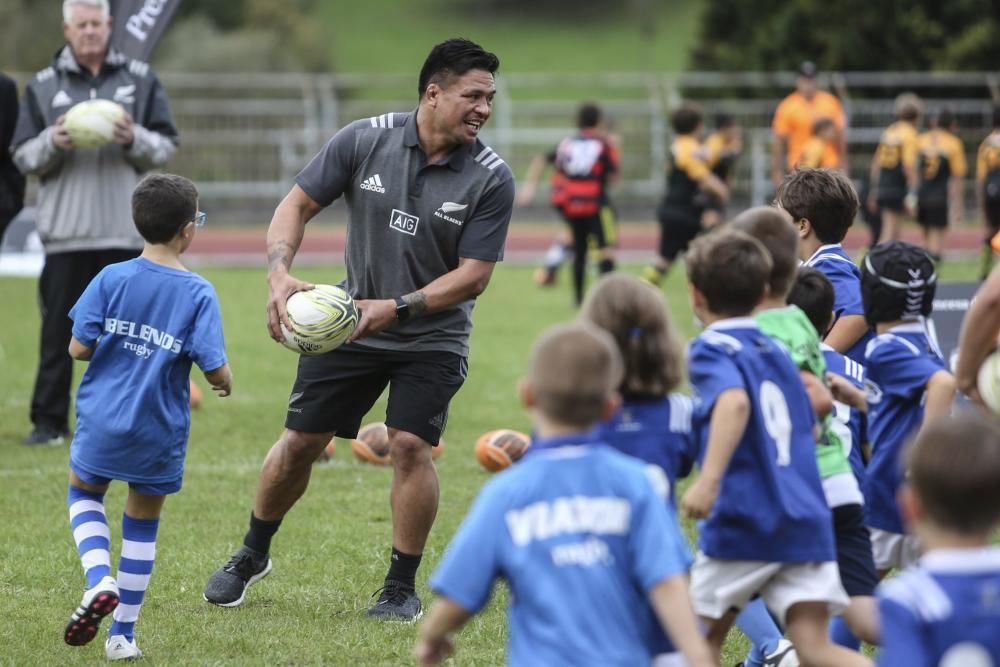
x,y
417,301
280,253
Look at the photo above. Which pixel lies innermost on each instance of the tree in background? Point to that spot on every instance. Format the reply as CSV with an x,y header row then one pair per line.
x,y
770,35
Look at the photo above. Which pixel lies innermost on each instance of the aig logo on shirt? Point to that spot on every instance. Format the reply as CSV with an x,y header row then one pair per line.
x,y
402,221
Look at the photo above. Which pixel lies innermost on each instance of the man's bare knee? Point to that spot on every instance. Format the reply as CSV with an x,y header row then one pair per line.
x,y
297,448
408,450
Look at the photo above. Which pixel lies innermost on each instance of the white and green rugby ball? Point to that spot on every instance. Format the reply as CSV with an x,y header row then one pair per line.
x,y
91,124
321,318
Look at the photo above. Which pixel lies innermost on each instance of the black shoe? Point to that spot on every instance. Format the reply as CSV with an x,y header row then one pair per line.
x,y
45,436
397,602
228,586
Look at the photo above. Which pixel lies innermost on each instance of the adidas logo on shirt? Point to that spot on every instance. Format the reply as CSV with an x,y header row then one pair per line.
x,y
373,183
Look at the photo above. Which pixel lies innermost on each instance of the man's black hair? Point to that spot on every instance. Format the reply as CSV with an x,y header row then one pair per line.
x,y
455,57
588,116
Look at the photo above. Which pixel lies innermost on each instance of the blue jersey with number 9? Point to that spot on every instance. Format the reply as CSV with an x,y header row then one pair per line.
x,y
771,505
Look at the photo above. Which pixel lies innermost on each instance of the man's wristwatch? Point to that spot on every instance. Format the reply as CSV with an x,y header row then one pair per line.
x,y
402,310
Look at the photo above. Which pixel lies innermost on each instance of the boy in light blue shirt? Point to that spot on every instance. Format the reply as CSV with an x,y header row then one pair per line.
x,y
140,324
581,533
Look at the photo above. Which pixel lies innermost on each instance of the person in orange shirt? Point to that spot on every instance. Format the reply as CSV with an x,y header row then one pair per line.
x,y
815,153
794,120
893,173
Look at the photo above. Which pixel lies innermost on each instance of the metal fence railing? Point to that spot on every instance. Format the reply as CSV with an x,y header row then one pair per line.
x,y
245,136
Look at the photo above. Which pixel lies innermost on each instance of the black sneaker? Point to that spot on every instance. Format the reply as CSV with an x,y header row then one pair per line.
x,y
396,602
44,436
228,586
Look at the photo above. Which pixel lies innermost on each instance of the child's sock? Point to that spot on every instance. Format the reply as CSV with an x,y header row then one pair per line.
x,y
134,569
90,532
841,634
403,568
757,624
555,256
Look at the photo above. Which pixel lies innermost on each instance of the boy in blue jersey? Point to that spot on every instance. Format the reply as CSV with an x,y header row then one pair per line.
x,y
767,528
141,324
580,532
789,325
813,293
945,610
908,384
653,423
823,205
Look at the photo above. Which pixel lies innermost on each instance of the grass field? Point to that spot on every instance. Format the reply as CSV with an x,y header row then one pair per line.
x,y
333,548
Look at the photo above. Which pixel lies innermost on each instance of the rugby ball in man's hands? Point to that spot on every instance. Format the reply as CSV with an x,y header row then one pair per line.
x,y
321,319
988,381
496,450
372,445
91,124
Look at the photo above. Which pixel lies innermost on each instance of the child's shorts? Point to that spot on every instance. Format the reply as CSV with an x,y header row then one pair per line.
x,y
718,586
854,550
893,549
147,489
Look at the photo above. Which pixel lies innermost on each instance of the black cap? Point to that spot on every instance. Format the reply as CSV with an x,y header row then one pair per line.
x,y
808,69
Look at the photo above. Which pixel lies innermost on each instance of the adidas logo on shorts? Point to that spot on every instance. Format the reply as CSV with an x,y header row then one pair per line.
x,y
373,183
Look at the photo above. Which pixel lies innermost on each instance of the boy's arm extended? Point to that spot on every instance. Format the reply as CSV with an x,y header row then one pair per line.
x,y
672,605
819,395
940,396
729,421
79,351
846,332
435,640
221,380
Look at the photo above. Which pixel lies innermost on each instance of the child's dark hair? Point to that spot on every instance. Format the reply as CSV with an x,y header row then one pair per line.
x,y
822,125
773,227
162,204
813,292
944,119
686,118
954,470
730,268
454,57
824,197
724,120
574,371
588,116
634,314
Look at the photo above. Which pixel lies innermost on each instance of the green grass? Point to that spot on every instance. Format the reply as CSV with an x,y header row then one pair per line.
x,y
394,37
332,550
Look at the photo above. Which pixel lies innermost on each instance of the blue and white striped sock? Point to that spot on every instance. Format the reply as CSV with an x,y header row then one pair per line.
x,y
134,568
90,532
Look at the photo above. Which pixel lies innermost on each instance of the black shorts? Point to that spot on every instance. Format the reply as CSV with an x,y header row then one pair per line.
x,y
932,214
993,214
854,550
895,202
600,229
333,392
678,227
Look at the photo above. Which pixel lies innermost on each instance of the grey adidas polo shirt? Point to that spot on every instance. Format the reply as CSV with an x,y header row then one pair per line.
x,y
411,221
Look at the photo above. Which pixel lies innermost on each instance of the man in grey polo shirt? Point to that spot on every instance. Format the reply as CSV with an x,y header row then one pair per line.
x,y
429,209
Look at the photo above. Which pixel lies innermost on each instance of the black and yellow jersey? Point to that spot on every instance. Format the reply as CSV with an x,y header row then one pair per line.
x,y
896,153
940,156
720,155
688,166
988,166
813,153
